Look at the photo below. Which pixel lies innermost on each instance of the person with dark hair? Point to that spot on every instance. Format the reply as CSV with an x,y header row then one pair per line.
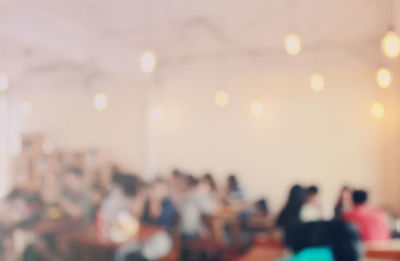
x,y
74,199
210,179
233,194
311,210
344,202
323,241
122,196
290,214
158,208
198,201
372,223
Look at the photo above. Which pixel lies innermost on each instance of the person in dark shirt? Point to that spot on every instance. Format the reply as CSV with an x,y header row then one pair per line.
x,y
290,214
159,209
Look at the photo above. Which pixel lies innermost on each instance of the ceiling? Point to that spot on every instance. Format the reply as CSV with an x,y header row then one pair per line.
x,y
99,38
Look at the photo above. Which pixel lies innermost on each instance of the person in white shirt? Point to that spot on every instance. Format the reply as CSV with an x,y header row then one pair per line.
x,y
311,210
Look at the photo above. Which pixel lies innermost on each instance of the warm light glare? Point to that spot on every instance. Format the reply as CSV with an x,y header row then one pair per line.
x,y
157,112
317,82
377,110
384,77
26,108
391,44
221,98
257,108
100,101
3,82
147,62
293,44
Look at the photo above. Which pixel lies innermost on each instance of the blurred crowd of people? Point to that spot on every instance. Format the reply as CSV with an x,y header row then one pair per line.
x,y
180,205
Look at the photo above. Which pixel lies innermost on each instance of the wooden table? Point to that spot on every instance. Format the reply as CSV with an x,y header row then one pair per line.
x,y
260,253
389,250
54,227
88,245
225,216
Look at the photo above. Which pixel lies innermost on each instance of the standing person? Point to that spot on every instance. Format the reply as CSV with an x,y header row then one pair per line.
x,y
372,223
311,210
344,203
290,214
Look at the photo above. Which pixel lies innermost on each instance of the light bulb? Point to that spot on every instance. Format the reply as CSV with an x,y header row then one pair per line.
x,y
377,110
221,98
317,82
147,62
157,112
3,82
257,108
391,44
100,101
384,77
293,44
26,108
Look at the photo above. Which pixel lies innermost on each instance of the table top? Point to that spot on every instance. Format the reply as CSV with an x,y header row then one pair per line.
x,y
384,249
87,236
260,253
54,226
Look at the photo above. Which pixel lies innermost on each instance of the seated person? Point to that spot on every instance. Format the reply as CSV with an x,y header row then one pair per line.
x,y
179,184
197,202
233,195
21,205
290,214
311,210
323,241
128,197
159,209
372,223
74,198
344,202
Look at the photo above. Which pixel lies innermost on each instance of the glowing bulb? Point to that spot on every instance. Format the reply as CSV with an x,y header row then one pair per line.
x,y
377,110
157,112
391,44
317,82
293,44
221,98
147,62
384,77
3,82
257,108
26,108
100,101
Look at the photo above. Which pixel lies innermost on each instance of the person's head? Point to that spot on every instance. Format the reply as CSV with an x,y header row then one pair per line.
x,y
191,181
345,193
73,179
311,193
210,179
176,174
232,182
158,190
129,184
360,197
203,186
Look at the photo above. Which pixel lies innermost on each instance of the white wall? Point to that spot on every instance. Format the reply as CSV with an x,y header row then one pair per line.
x,y
64,113
326,138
